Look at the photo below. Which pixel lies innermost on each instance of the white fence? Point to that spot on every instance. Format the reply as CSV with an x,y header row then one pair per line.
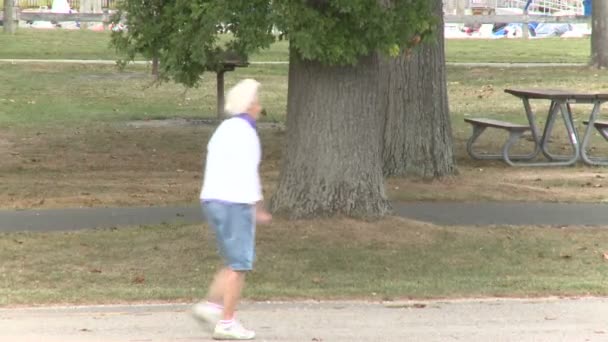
x,y
539,6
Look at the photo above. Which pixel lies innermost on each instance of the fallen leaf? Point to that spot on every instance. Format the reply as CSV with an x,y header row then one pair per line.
x,y
404,306
139,279
95,270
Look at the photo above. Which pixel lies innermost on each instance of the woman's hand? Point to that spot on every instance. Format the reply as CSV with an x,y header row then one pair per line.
x,y
261,215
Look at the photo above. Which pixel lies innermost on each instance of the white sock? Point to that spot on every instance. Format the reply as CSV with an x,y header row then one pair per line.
x,y
227,323
215,306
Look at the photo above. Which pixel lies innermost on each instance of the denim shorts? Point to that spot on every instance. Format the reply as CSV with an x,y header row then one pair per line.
x,y
234,228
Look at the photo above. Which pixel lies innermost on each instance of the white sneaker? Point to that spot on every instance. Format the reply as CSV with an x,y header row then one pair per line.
x,y
207,313
234,331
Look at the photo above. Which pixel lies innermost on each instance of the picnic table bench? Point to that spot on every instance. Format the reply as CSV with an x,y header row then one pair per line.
x,y
515,132
560,105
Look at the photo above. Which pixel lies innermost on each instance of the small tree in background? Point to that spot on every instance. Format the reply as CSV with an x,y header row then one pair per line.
x,y
199,35
145,30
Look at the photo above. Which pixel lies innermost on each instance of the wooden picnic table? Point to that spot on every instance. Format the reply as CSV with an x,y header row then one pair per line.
x,y
561,101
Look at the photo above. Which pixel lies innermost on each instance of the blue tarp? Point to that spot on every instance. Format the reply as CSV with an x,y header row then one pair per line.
x,y
512,27
537,29
587,7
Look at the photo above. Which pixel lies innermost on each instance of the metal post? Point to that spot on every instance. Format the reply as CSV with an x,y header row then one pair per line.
x,y
220,93
461,5
525,29
85,7
106,19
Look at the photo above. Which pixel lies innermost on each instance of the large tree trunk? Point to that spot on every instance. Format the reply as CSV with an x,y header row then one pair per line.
x,y
599,36
332,164
417,132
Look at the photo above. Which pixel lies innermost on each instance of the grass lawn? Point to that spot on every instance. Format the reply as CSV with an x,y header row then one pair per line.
x,y
63,44
43,94
86,44
68,139
553,50
337,259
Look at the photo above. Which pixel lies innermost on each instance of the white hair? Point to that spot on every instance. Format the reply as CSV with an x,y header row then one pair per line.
x,y
241,96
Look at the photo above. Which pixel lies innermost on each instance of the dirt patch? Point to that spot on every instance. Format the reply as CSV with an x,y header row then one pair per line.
x,y
161,161
210,123
119,76
5,146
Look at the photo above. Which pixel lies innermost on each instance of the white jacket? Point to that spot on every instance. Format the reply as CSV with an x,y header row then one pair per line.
x,y
232,166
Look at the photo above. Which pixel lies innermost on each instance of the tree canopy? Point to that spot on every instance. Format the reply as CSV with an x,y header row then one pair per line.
x,y
193,36
339,32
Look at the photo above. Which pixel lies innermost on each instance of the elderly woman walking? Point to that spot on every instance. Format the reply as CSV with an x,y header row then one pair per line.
x,y
231,198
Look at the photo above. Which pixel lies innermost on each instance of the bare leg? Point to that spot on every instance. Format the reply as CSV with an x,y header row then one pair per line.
x,y
217,288
233,285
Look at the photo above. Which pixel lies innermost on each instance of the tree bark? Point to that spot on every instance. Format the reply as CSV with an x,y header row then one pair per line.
x,y
8,22
332,164
417,131
599,36
155,59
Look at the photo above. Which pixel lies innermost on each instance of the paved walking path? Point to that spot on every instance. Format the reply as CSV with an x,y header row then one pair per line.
x,y
544,320
112,62
442,213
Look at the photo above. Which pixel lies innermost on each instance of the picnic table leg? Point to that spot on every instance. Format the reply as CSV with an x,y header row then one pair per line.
x,y
533,127
514,137
478,131
553,109
590,128
567,117
553,114
572,133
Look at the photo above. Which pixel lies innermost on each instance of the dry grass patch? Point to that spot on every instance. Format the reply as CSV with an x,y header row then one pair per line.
x,y
321,259
118,165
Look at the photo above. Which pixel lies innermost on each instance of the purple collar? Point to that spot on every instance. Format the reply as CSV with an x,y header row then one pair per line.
x,y
247,118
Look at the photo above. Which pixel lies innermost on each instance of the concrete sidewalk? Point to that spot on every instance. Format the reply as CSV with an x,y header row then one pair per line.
x,y
549,320
441,213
